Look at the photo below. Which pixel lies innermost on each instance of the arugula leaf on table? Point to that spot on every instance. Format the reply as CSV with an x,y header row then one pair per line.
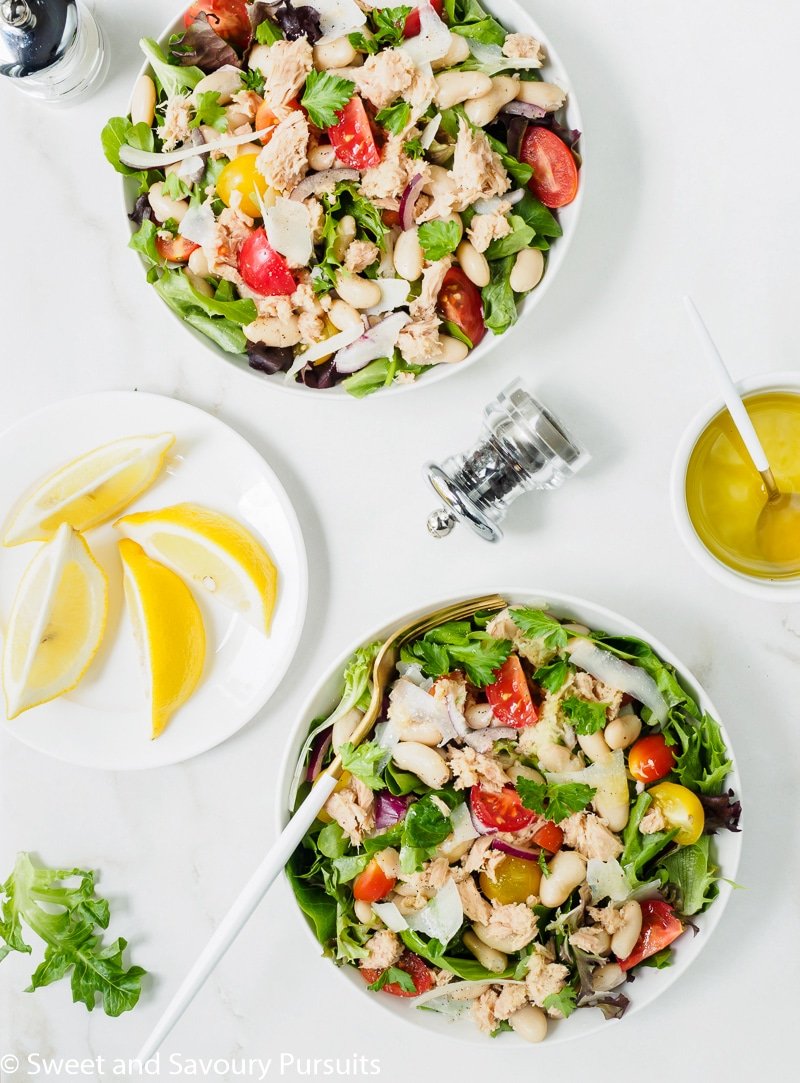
x,y
585,716
325,96
555,800
439,239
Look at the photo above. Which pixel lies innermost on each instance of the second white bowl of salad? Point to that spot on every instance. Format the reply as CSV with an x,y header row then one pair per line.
x,y
412,192
548,809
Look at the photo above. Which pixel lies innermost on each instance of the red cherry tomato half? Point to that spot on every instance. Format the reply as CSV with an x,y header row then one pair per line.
x,y
502,811
414,966
510,697
555,173
174,248
460,302
228,18
660,927
352,137
372,884
550,837
412,27
650,759
263,269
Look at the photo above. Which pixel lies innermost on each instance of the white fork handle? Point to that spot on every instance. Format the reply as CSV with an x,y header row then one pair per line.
x,y
733,400
238,915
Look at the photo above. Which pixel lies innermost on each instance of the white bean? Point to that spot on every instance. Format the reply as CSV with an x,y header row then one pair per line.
x,y
344,726
345,235
364,912
358,292
567,871
453,851
454,87
451,350
334,54
547,96
408,255
143,101
426,733
472,992
343,315
473,263
624,939
275,332
424,762
226,81
491,958
595,747
235,118
456,54
527,270
257,58
198,264
505,940
557,758
389,861
622,731
614,810
530,1023
521,770
479,716
163,207
607,977
321,157
481,111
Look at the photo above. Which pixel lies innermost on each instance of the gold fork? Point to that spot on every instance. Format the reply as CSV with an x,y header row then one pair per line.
x,y
294,832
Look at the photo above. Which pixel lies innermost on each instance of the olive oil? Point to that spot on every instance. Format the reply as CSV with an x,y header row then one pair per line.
x,y
724,492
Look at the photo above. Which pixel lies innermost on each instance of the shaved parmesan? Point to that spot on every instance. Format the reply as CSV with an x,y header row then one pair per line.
x,y
199,225
378,341
623,676
454,988
288,226
325,346
390,915
336,17
442,917
394,293
433,40
428,133
606,880
463,827
609,778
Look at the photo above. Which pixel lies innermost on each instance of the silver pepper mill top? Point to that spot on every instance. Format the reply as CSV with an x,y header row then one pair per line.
x,y
51,49
522,447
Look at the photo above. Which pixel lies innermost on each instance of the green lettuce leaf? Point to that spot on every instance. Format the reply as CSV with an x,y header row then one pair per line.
x,y
689,879
470,20
172,78
499,303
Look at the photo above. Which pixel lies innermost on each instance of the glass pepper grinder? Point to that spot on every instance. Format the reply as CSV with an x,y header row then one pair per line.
x,y
51,49
522,447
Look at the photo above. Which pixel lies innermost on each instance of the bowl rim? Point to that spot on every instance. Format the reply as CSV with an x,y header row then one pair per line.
x,y
519,15
589,612
785,590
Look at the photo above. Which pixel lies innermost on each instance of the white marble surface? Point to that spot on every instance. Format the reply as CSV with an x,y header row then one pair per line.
x,y
690,111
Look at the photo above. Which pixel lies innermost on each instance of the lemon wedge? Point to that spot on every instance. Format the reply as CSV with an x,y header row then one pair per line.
x,y
90,489
56,623
214,553
168,628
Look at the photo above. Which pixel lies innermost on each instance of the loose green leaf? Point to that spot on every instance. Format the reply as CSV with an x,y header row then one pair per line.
x,y
552,676
439,239
325,96
362,43
209,111
585,716
701,760
253,79
394,118
536,624
362,761
534,214
175,187
467,967
393,975
519,172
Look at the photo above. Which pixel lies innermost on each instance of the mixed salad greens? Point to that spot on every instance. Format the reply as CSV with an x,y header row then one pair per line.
x,y
532,822
368,189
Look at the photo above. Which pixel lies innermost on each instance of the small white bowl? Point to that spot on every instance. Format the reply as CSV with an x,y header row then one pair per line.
x,y
650,983
516,19
774,590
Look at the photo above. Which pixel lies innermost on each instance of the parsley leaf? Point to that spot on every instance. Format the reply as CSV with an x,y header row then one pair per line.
x,y
267,33
439,239
209,111
390,24
325,96
393,975
362,761
253,79
555,800
394,118
424,828
563,1002
363,43
701,760
457,646
414,149
552,676
540,625
586,717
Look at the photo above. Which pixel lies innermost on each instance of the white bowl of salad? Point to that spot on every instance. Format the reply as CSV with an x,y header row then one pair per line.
x,y
366,198
547,809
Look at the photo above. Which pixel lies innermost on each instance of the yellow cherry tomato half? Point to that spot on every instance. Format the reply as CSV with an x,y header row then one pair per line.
x,y
340,785
682,809
516,879
240,175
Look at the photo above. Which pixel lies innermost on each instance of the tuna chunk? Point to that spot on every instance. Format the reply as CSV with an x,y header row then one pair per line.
x,y
544,977
284,160
477,170
384,948
473,768
287,65
586,833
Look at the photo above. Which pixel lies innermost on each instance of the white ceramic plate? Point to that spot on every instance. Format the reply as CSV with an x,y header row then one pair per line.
x,y
650,983
104,721
514,18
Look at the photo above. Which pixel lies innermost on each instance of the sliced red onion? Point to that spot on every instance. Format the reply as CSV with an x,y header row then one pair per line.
x,y
408,200
515,851
322,182
482,740
378,341
524,109
319,750
389,809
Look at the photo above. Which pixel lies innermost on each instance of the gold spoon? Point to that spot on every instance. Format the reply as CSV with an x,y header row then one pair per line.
x,y
778,523
292,835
